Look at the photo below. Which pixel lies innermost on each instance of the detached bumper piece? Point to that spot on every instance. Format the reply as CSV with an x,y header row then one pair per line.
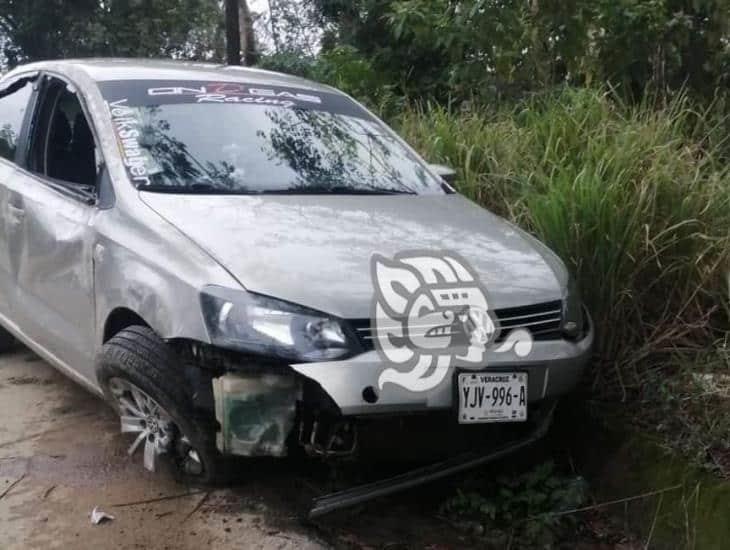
x,y
363,493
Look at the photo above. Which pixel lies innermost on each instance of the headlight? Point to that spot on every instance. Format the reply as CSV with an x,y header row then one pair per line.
x,y
248,322
572,311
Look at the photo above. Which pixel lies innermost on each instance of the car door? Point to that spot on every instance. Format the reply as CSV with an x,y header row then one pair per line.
x,y
15,97
54,194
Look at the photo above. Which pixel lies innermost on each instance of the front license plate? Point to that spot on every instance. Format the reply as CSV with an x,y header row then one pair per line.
x,y
492,397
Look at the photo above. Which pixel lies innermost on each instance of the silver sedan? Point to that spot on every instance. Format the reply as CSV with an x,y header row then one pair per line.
x,y
243,262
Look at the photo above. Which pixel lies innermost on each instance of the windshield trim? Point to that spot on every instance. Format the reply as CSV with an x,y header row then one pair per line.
x,y
188,190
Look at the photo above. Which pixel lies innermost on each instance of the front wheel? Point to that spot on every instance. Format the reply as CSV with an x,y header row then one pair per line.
x,y
142,378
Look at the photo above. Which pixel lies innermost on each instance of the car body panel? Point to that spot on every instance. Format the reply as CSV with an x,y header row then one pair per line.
x,y
105,69
315,250
50,264
138,266
8,230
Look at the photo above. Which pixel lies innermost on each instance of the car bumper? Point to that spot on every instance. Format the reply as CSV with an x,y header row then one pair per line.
x,y
554,367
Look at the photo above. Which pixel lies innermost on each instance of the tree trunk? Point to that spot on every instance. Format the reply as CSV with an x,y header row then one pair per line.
x,y
233,34
248,38
274,25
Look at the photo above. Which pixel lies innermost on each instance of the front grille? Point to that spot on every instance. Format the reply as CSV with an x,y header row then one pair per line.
x,y
542,320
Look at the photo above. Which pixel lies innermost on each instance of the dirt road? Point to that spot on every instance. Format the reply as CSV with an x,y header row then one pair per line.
x,y
64,446
61,454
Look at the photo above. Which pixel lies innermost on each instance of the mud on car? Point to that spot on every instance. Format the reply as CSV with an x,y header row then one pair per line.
x,y
243,262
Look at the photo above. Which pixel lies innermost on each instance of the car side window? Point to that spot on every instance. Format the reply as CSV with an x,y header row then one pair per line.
x,y
62,146
12,111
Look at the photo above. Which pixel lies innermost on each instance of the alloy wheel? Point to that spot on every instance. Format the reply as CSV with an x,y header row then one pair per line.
x,y
140,414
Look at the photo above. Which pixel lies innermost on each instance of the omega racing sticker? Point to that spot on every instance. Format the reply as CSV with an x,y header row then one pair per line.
x,y
160,92
236,92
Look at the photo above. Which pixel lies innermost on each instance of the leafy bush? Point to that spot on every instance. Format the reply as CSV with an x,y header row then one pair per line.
x,y
293,63
344,68
527,507
635,199
456,50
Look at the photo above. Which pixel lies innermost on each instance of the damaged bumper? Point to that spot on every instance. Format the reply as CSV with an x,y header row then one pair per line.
x,y
258,412
554,368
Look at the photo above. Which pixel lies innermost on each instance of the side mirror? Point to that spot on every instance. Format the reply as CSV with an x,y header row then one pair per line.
x,y
446,173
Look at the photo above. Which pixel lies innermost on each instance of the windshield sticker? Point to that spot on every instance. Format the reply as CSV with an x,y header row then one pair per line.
x,y
138,93
233,92
127,127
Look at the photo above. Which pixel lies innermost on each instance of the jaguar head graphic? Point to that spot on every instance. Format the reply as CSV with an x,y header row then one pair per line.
x,y
430,313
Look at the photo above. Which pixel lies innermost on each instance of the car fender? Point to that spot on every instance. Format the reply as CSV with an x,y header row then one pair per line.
x,y
143,264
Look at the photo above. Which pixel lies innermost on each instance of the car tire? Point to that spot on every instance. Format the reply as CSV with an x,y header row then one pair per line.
x,y
138,359
7,340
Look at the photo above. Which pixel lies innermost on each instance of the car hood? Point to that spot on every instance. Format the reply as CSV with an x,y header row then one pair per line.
x,y
315,250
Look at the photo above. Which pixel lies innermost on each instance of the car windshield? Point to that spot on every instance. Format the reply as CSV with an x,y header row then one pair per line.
x,y
232,138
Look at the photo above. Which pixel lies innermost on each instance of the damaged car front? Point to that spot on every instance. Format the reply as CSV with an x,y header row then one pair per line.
x,y
369,292
274,268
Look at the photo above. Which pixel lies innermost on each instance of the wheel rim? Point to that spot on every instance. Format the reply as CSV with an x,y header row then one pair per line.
x,y
140,414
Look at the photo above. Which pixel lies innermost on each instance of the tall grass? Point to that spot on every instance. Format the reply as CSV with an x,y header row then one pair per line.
x,y
636,200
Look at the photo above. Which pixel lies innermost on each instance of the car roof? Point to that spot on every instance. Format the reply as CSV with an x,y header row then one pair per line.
x,y
105,69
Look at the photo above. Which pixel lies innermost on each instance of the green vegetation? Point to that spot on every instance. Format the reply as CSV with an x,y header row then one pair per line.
x,y
671,504
690,408
487,51
635,199
42,29
529,507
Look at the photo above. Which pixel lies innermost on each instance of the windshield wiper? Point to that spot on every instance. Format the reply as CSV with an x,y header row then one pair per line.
x,y
337,190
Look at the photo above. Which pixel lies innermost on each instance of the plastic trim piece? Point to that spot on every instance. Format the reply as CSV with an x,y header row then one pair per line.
x,y
357,495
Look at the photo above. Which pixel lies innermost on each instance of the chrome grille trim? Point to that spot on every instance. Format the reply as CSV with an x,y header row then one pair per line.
x,y
542,320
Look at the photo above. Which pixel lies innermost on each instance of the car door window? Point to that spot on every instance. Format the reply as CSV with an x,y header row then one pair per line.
x,y
63,147
13,105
